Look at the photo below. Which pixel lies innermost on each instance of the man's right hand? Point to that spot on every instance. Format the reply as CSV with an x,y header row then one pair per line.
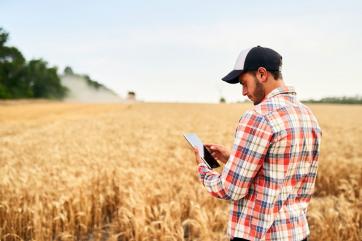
x,y
219,152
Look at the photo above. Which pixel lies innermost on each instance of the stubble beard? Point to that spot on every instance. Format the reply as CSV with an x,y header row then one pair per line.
x,y
259,92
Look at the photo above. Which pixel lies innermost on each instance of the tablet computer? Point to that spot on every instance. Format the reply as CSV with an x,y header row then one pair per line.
x,y
206,156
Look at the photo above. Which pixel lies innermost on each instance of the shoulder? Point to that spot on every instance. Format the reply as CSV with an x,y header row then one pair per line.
x,y
264,114
252,118
261,111
270,105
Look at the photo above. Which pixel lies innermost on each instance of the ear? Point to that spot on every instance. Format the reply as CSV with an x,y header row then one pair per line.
x,y
262,74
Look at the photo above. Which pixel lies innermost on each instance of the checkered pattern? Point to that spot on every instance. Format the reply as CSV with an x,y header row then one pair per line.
x,y
270,175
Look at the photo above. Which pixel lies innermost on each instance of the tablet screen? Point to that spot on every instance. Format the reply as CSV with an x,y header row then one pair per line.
x,y
195,141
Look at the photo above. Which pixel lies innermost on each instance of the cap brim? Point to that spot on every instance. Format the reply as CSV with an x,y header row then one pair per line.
x,y
233,76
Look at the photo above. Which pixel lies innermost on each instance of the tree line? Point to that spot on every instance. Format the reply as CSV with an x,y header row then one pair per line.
x,y
21,79
26,79
337,100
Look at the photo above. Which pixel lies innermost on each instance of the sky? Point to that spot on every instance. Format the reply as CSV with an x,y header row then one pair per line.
x,y
178,51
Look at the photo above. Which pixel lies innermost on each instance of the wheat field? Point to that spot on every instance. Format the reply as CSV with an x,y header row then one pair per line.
x,y
124,171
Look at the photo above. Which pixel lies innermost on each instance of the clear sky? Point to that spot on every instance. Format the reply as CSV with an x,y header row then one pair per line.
x,y
180,50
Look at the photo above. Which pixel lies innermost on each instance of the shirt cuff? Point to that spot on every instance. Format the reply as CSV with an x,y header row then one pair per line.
x,y
203,169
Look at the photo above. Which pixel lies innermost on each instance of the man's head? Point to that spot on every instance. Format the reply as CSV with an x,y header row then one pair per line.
x,y
258,69
256,83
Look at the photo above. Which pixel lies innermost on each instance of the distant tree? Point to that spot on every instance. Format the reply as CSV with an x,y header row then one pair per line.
x,y
3,36
21,79
222,100
68,71
44,81
337,100
12,81
91,82
31,79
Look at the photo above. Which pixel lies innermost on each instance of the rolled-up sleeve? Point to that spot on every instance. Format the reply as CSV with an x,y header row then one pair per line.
x,y
252,139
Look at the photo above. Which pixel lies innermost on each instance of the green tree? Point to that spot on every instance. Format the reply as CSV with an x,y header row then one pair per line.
x,y
44,81
22,79
12,81
68,70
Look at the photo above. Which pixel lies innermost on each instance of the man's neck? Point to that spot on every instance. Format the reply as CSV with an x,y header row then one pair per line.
x,y
273,84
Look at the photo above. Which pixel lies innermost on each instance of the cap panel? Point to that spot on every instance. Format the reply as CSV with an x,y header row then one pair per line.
x,y
255,59
262,57
240,61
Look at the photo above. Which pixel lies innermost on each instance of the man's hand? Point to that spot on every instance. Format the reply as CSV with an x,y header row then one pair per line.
x,y
197,155
219,152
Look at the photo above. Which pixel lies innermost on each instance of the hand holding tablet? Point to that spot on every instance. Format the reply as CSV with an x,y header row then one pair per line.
x,y
205,155
219,152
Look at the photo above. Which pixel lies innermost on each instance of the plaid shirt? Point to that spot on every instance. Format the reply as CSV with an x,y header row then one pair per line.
x,y
270,175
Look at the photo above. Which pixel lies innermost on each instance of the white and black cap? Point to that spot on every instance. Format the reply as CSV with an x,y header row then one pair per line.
x,y
252,59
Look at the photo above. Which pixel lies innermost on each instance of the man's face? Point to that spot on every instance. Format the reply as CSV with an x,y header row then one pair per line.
x,y
252,87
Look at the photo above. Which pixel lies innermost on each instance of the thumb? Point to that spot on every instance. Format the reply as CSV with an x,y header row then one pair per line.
x,y
211,146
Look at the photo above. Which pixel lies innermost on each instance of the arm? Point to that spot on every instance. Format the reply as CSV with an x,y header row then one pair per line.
x,y
251,143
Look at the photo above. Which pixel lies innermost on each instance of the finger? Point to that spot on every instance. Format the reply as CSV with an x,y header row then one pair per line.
x,y
198,158
216,147
211,144
210,147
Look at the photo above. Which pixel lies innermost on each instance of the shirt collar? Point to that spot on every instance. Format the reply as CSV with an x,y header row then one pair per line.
x,y
281,90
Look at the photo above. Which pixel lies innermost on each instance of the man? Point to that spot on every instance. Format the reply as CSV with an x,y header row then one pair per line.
x,y
270,172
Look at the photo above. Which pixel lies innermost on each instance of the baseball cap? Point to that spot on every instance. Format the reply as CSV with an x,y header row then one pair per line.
x,y
252,59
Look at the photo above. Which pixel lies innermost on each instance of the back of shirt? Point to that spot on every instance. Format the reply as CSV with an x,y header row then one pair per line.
x,y
271,172
291,162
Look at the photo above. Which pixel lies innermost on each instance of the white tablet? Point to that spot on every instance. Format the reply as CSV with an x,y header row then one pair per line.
x,y
205,155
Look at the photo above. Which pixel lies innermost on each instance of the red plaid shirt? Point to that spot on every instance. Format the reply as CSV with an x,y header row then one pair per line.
x,y
270,175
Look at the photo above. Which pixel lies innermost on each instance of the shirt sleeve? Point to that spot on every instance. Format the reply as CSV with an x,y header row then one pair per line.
x,y
252,139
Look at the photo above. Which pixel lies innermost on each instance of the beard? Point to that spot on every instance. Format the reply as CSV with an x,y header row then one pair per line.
x,y
259,92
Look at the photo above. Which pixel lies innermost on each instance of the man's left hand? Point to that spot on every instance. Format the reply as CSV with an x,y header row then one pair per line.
x,y
197,156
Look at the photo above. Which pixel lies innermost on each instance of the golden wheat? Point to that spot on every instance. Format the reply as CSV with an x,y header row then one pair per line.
x,y
124,172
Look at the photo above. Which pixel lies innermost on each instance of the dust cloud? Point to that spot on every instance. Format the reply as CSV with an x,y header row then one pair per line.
x,y
81,91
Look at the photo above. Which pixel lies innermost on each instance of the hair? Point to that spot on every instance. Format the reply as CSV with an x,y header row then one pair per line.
x,y
277,74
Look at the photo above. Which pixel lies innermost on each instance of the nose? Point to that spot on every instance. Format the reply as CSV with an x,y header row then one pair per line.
x,y
244,91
